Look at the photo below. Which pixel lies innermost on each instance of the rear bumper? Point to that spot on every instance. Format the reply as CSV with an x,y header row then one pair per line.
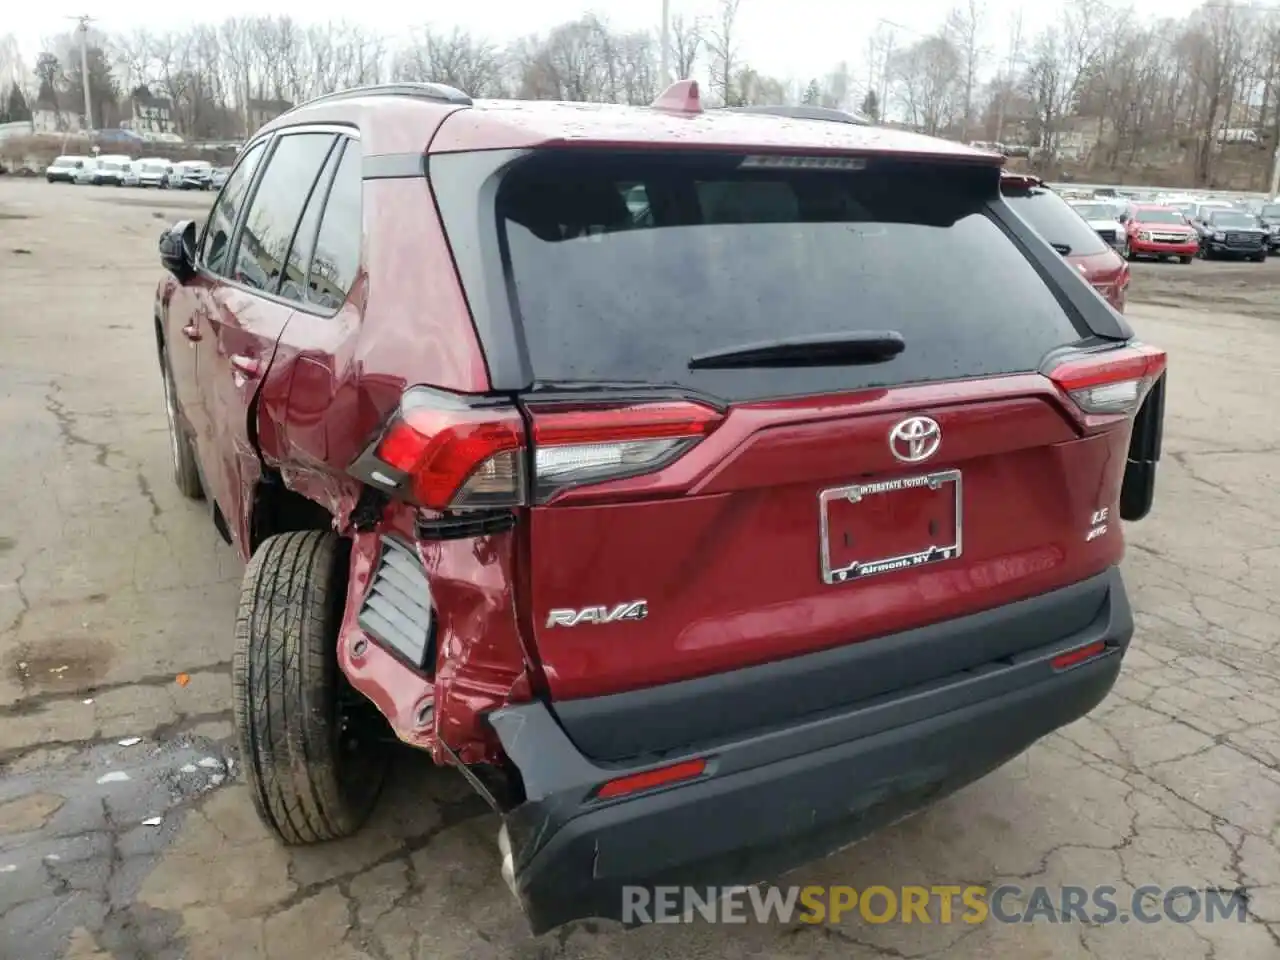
x,y
782,797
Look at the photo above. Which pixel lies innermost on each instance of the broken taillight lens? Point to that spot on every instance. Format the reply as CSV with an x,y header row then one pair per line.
x,y
447,453
1110,381
591,444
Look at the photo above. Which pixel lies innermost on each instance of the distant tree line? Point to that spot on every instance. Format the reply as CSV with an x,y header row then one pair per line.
x,y
1099,82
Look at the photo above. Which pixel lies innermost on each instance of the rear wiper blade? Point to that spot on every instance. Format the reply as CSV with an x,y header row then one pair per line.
x,y
823,350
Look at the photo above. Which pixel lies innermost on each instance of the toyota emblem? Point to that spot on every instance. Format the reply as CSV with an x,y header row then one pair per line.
x,y
915,439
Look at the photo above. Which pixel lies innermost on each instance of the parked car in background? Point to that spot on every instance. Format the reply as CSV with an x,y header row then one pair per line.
x,y
115,171
194,175
154,172
687,600
1051,217
1102,218
1269,220
1226,232
218,177
88,174
1157,231
65,169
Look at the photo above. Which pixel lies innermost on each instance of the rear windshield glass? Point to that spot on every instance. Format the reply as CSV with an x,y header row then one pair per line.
x,y
623,268
1051,217
1152,215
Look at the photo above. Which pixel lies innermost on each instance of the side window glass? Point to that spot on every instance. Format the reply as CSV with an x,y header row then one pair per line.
x,y
216,242
337,255
276,208
294,285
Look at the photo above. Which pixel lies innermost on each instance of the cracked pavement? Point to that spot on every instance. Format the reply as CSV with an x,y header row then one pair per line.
x,y
111,586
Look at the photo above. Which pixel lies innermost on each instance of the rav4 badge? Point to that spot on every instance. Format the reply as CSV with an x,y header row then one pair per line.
x,y
631,610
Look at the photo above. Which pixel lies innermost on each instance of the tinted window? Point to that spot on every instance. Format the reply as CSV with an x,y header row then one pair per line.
x,y
1051,217
277,204
615,283
294,284
216,242
337,255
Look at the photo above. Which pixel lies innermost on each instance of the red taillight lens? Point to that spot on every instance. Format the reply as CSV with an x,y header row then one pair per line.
x,y
591,444
651,779
445,453
1111,381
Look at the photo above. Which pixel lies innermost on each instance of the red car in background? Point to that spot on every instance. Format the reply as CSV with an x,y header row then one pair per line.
x,y
1157,231
1052,217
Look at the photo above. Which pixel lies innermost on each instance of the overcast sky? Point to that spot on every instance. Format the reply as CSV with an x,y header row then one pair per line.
x,y
793,39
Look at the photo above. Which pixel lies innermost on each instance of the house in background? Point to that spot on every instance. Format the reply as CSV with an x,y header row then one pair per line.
x,y
260,112
48,117
151,114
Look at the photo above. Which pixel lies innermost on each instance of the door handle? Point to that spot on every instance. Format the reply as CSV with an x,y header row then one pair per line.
x,y
247,367
191,332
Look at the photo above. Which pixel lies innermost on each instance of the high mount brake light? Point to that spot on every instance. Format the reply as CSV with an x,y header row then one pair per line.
x,y
591,444
1113,381
447,453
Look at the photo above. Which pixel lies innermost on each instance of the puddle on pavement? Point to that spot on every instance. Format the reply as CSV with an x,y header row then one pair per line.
x,y
58,665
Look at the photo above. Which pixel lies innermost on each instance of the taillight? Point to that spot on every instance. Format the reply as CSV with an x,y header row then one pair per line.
x,y
446,453
590,444
1111,381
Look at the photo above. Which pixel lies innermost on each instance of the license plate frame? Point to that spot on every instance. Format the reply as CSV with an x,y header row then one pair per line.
x,y
855,493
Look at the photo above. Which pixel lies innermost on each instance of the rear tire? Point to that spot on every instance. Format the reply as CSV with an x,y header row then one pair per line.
x,y
1186,259
1259,258
309,782
186,469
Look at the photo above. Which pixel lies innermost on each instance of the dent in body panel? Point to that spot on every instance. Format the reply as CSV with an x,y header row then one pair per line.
x,y
405,323
480,663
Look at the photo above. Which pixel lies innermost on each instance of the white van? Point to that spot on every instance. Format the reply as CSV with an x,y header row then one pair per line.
x,y
64,169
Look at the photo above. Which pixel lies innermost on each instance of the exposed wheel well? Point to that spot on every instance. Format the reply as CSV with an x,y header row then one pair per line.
x,y
277,509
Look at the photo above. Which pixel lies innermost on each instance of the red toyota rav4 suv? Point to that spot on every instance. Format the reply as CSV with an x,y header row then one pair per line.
x,y
711,488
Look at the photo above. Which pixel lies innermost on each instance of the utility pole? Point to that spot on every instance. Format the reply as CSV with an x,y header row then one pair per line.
x,y
666,41
1275,176
83,28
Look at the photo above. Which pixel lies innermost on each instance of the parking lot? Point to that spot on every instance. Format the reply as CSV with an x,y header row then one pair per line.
x,y
116,605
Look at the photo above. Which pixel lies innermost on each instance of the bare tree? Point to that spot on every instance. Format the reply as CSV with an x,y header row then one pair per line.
x,y
686,43
964,29
928,77
457,58
722,43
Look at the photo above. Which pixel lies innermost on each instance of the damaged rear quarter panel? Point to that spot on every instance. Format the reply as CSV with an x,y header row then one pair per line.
x,y
336,379
480,662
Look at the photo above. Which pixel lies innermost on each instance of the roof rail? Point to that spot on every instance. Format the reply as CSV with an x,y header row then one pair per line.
x,y
804,111
439,92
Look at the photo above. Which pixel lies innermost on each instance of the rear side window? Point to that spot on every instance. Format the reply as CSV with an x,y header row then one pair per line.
x,y
294,284
215,245
1051,217
336,260
276,207
623,268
